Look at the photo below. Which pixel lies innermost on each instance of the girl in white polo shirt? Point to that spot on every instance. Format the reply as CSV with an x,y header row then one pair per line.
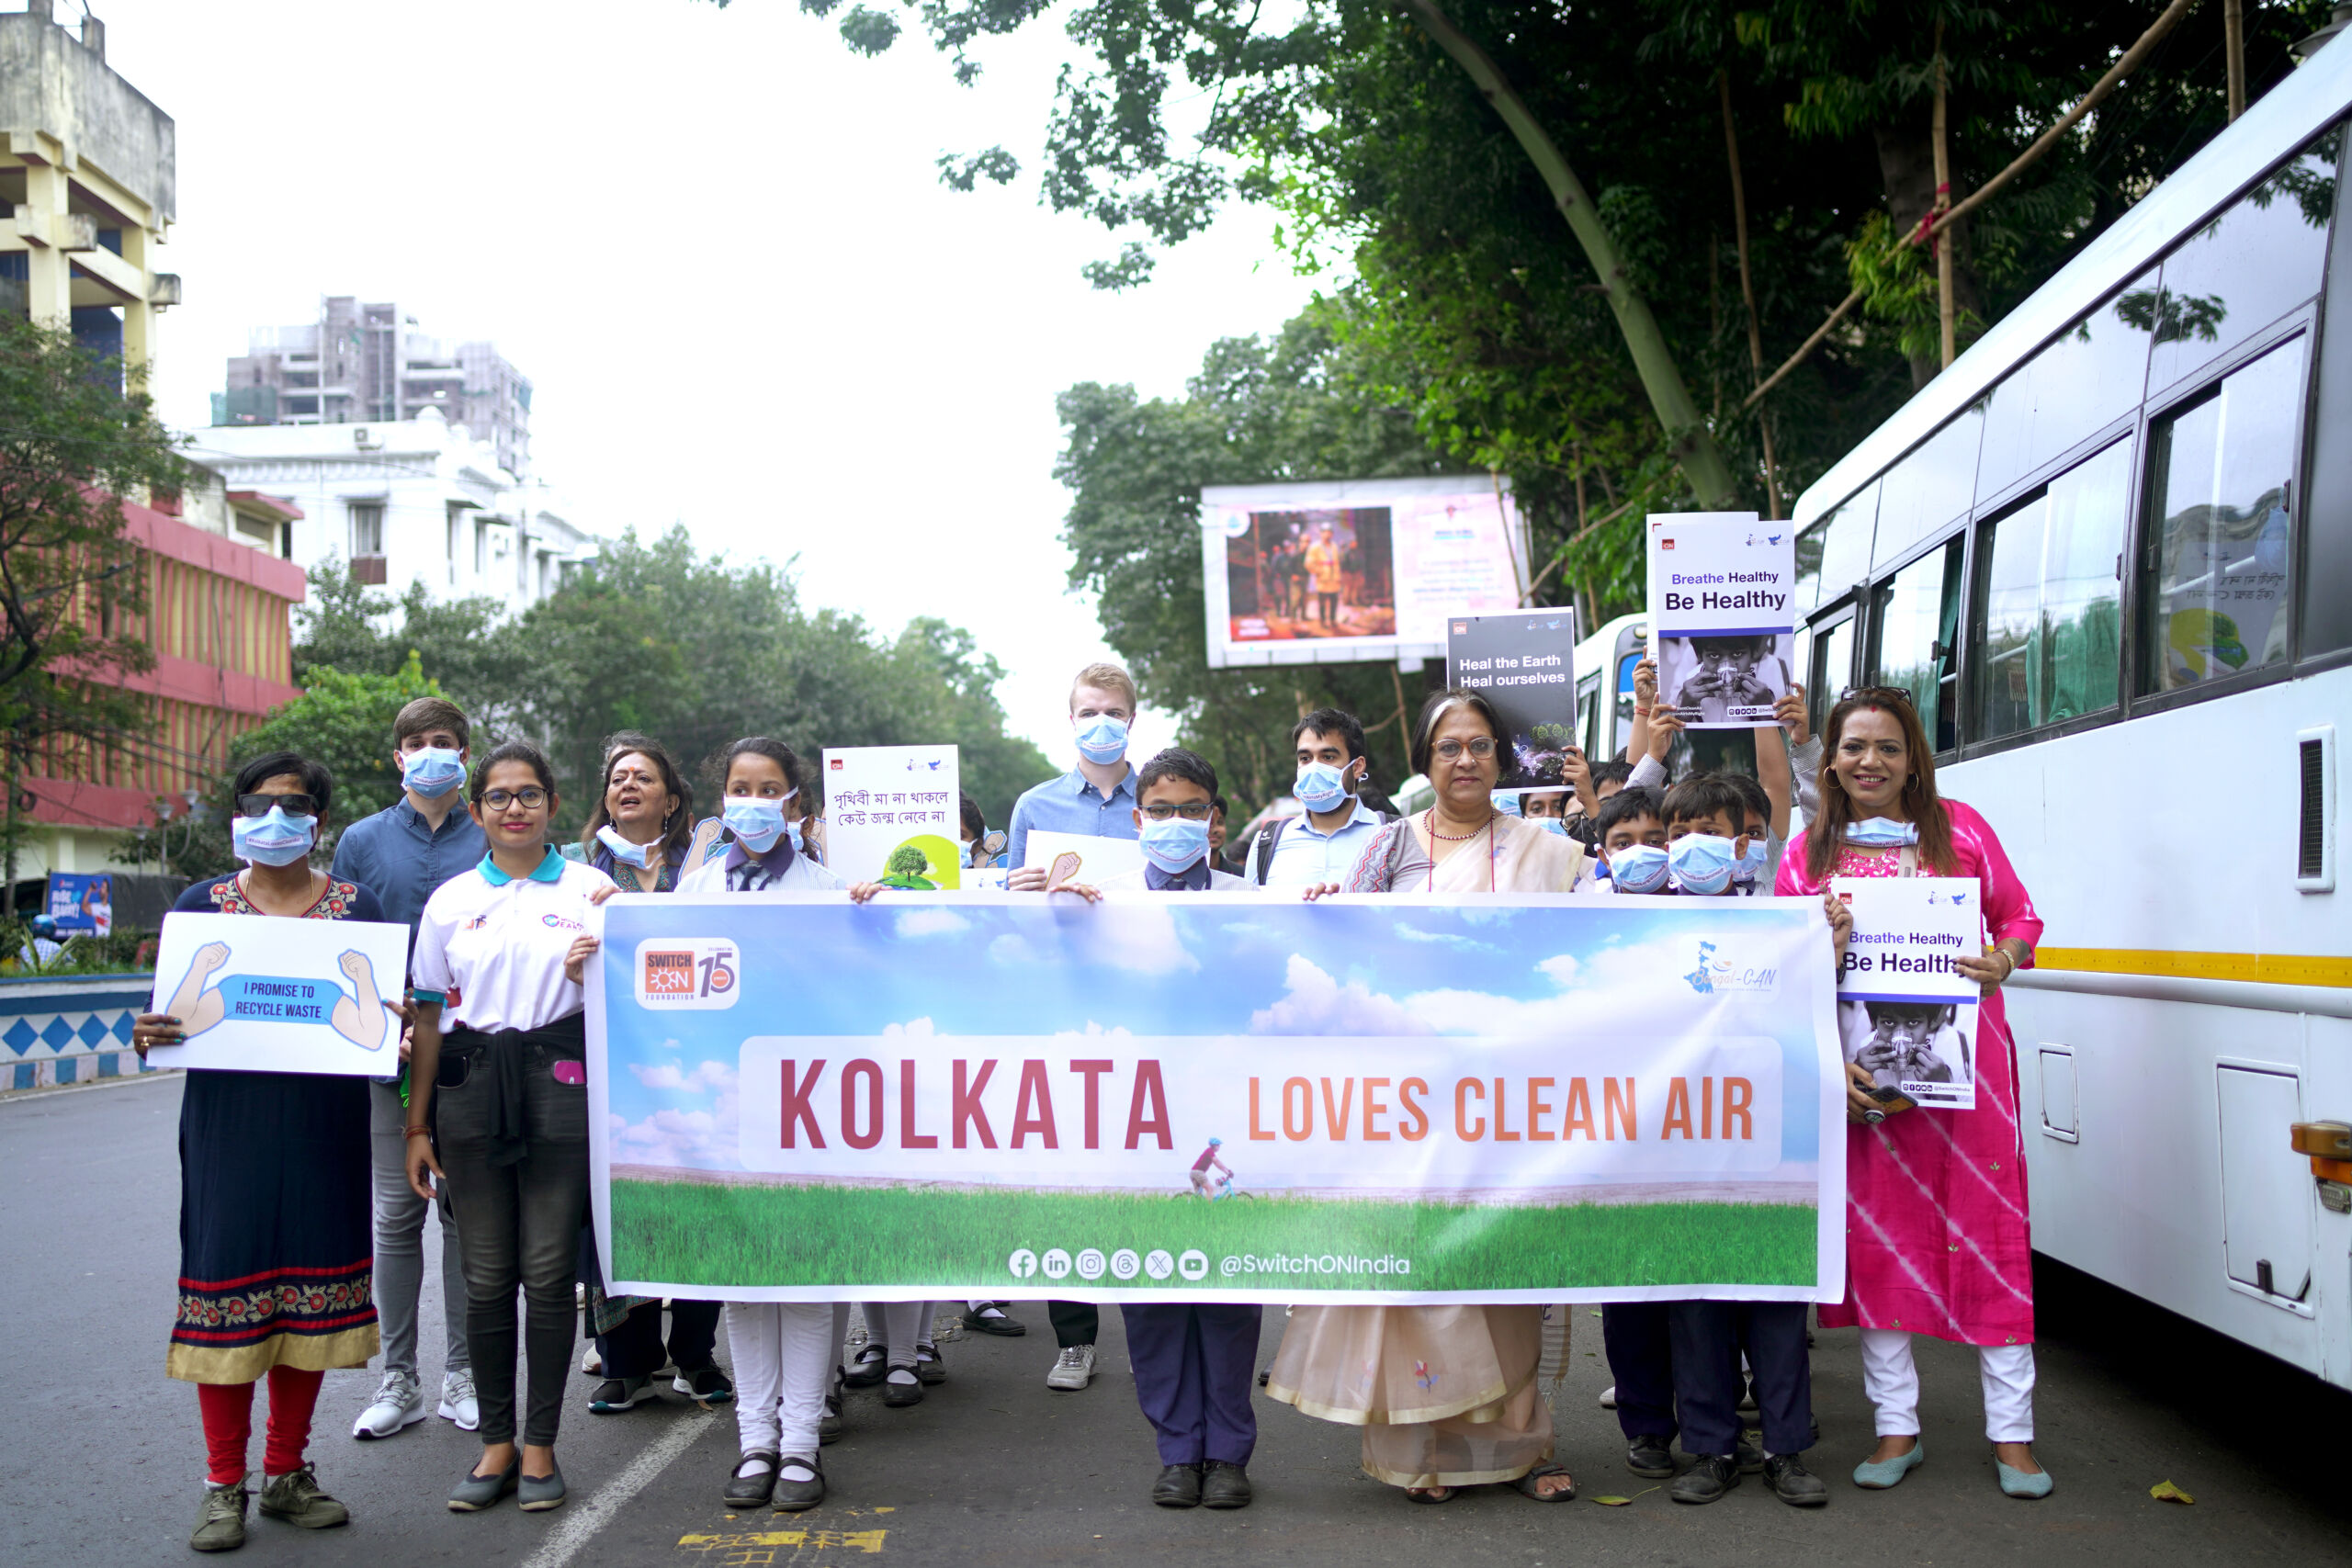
x,y
498,1048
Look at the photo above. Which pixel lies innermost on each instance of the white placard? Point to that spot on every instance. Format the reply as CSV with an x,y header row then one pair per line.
x,y
885,805
1721,616
1904,1012
257,994
1097,858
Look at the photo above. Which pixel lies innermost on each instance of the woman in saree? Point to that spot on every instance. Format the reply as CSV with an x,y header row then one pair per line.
x,y
1446,1395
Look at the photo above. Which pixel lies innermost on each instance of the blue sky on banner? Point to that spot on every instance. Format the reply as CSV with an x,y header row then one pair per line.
x,y
1195,966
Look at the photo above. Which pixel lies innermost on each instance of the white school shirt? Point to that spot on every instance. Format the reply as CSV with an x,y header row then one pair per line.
x,y
803,875
494,945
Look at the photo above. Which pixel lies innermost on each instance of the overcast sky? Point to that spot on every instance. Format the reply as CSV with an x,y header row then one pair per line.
x,y
716,242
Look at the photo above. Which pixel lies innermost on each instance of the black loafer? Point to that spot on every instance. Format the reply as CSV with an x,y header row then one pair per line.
x,y
1649,1456
1714,1475
792,1497
1224,1485
873,1364
1179,1486
753,1491
1003,1326
897,1395
1794,1484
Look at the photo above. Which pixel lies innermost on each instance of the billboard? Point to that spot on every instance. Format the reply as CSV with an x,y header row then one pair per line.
x,y
1339,570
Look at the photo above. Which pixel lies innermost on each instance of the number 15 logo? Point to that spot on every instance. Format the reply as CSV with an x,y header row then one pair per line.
x,y
694,973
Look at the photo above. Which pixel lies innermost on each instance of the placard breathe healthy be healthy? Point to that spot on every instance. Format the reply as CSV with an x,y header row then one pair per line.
x,y
1905,1015
1535,1098
1721,616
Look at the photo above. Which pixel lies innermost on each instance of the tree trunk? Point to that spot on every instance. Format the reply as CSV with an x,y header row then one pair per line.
x,y
1906,163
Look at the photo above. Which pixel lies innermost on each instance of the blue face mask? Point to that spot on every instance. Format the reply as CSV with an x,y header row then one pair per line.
x,y
1506,802
1174,845
432,772
1879,833
1320,786
1552,825
1751,865
622,850
1637,868
757,824
275,839
1104,739
1701,863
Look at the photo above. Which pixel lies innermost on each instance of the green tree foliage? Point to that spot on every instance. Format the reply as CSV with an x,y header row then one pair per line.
x,y
1259,410
72,584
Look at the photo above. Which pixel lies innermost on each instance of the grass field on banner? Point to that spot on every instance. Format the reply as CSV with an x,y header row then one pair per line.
x,y
690,1233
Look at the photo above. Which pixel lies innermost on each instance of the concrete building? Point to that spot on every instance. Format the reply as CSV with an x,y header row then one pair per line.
x,y
87,178
368,364
415,500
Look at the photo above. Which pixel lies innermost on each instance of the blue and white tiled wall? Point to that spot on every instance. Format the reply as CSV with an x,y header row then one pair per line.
x,y
71,1029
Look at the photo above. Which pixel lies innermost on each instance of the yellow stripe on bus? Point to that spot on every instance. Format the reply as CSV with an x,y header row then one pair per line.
x,y
2269,968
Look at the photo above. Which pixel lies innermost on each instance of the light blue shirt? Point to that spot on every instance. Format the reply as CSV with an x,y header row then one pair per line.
x,y
1304,855
1070,804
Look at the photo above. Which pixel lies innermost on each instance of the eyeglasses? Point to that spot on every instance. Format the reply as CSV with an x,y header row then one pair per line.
x,y
1875,694
1451,751
1199,811
529,799
296,805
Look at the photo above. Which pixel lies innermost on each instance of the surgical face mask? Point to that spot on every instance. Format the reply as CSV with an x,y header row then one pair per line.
x,y
1103,740
1751,865
275,839
1880,833
757,824
432,772
1637,868
1701,863
1320,786
1175,844
1552,825
622,850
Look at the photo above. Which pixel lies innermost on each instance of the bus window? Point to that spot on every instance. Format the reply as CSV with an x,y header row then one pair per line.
x,y
2243,270
1834,553
1625,663
2052,600
2221,526
1928,488
1915,630
1832,669
2090,377
1589,715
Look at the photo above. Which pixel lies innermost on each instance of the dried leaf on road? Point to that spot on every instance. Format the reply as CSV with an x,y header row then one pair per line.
x,y
1613,1501
2166,1492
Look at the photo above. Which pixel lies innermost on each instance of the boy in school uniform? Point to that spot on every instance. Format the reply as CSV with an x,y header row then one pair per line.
x,y
1706,836
1629,836
1196,1363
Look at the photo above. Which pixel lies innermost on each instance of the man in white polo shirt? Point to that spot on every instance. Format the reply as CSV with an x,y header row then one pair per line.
x,y
1322,846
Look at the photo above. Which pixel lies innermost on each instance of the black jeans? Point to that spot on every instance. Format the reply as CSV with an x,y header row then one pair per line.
x,y
635,1349
518,1225
1075,1323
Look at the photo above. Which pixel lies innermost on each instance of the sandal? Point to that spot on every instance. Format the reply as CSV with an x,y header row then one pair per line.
x,y
1530,1485
1432,1495
872,1365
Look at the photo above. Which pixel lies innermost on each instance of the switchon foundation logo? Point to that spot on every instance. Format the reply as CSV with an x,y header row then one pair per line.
x,y
687,973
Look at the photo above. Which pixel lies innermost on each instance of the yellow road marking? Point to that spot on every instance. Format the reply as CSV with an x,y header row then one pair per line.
x,y
756,1549
2267,969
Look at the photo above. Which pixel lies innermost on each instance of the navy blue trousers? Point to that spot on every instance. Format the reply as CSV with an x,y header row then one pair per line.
x,y
1640,1358
1707,1338
1196,1367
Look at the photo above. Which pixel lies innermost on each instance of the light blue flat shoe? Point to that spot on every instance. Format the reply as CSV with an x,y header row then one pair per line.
x,y
2018,1484
1883,1474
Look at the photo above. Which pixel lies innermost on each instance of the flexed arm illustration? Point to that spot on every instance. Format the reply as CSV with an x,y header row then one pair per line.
x,y
359,1012
198,1008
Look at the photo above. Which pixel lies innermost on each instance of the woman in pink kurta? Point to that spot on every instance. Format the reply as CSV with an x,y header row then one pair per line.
x,y
1937,1239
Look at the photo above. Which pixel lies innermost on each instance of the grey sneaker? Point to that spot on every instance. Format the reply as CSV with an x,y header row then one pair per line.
x,y
399,1403
459,1402
1073,1368
296,1498
221,1519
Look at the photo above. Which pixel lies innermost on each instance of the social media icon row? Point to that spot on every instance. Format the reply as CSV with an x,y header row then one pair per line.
x,y
1092,1263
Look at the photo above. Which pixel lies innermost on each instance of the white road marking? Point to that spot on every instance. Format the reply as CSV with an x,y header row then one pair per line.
x,y
581,1522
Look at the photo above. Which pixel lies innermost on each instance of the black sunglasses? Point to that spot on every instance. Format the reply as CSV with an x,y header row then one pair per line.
x,y
296,803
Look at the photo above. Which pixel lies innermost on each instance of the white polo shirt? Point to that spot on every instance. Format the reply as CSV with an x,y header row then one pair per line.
x,y
494,945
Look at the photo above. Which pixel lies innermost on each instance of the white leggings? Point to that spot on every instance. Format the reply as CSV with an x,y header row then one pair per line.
x,y
895,1325
785,1354
1892,1378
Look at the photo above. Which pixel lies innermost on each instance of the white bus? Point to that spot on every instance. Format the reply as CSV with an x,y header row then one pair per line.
x,y
2108,552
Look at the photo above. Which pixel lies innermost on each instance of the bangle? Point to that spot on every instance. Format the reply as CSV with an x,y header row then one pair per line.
x,y
1640,712
416,1132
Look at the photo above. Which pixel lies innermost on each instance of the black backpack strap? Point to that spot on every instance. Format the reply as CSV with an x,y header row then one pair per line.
x,y
1262,848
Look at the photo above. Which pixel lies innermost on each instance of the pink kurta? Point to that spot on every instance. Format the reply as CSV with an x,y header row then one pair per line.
x,y
1938,1240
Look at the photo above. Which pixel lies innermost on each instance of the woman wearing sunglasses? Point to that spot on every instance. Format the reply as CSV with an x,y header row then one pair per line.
x,y
1936,1237
1498,1428
500,957
276,1227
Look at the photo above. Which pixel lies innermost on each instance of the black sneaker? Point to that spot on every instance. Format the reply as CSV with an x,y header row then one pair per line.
x,y
615,1394
706,1385
1714,1475
1794,1484
1649,1457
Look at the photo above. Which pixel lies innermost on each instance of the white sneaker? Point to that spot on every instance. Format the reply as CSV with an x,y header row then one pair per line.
x,y
399,1403
1609,1397
1073,1368
458,1401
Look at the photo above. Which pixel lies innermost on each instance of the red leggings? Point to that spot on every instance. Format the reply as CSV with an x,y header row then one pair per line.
x,y
228,1409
